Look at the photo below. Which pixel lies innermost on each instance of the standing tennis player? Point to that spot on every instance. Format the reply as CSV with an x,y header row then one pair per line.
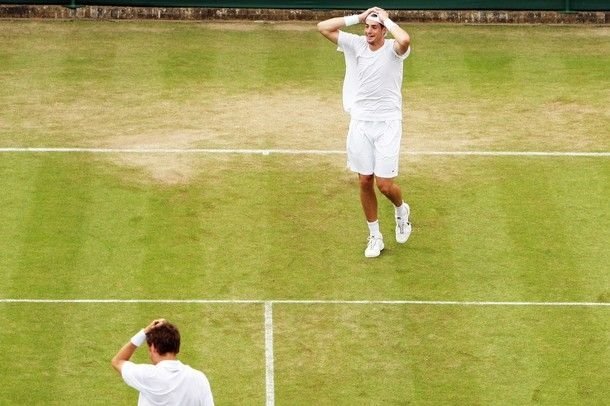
x,y
167,381
372,95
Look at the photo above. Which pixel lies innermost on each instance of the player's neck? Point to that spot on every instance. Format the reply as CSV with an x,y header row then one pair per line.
x,y
375,46
165,357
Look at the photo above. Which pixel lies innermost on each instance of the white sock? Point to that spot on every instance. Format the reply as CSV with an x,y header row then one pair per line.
x,y
374,228
401,211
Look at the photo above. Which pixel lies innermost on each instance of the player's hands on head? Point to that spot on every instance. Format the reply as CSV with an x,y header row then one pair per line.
x,y
362,17
383,15
153,324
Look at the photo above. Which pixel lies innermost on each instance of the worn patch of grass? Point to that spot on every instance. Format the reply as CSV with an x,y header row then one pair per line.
x,y
466,87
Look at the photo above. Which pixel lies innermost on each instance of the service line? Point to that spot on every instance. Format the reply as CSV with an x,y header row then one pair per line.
x,y
291,152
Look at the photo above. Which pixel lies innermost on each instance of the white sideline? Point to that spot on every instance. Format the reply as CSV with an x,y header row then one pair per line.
x,y
293,152
269,361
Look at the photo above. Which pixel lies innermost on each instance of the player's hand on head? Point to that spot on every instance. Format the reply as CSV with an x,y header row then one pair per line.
x,y
366,13
155,323
383,15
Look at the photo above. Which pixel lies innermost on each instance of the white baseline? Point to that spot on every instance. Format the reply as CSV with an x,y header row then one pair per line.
x,y
290,152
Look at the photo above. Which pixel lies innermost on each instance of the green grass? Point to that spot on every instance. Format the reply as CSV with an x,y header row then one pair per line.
x,y
205,226
440,355
60,353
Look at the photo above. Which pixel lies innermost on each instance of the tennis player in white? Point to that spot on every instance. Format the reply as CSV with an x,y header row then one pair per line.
x,y
167,382
372,95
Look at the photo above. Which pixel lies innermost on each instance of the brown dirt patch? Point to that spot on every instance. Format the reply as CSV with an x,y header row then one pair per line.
x,y
288,120
298,120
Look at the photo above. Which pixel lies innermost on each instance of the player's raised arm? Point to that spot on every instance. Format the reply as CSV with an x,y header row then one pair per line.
x,y
403,40
330,28
127,351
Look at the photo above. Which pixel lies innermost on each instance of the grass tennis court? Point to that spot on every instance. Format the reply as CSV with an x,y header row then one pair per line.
x,y
248,231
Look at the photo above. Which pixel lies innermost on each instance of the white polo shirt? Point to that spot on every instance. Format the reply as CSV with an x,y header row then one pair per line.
x,y
170,382
372,89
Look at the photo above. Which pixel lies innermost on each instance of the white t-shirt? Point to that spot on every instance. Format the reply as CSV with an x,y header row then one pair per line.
x,y
170,382
372,88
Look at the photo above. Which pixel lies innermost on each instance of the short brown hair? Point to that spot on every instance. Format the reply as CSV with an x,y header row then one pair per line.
x,y
165,337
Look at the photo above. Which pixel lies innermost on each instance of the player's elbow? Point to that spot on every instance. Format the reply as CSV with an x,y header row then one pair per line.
x,y
326,30
116,364
323,29
404,42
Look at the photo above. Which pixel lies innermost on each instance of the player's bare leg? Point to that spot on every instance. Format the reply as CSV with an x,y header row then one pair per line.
x,y
392,191
368,199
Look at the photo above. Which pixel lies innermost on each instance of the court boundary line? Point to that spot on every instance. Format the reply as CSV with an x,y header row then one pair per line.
x,y
464,303
269,357
290,152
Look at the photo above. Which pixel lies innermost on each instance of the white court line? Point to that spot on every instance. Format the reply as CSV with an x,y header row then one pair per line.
x,y
311,302
269,360
294,152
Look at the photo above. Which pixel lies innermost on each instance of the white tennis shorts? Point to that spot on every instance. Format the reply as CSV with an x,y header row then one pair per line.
x,y
373,147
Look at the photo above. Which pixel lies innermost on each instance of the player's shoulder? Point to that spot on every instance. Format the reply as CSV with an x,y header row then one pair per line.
x,y
195,371
391,48
138,371
350,37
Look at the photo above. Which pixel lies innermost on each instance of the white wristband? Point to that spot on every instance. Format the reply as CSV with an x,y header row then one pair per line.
x,y
389,24
351,20
139,338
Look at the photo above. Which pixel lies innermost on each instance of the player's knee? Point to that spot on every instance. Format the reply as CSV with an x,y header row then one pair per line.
x,y
366,181
385,186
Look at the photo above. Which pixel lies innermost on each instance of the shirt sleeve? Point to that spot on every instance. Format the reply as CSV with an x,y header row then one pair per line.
x,y
135,375
346,41
403,56
350,81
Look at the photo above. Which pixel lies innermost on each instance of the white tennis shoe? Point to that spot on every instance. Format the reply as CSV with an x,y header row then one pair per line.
x,y
403,227
374,246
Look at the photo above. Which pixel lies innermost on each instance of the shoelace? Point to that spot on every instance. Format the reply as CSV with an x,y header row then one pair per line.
x,y
372,241
401,225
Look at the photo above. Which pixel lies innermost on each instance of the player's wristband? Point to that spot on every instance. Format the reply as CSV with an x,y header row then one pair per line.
x,y
351,20
389,24
139,338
